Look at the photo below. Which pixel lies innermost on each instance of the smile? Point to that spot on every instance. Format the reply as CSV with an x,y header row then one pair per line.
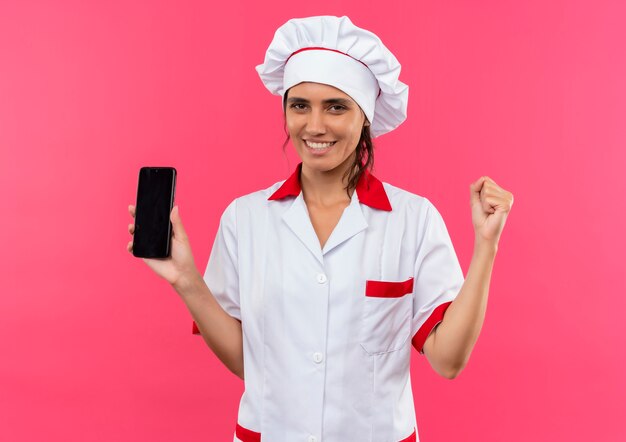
x,y
318,145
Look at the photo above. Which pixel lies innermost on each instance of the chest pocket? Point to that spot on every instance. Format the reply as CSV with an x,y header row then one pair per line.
x,y
387,313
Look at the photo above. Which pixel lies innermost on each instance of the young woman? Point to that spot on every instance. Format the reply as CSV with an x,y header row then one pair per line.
x,y
318,286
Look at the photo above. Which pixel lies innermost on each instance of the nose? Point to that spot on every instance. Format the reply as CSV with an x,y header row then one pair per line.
x,y
315,122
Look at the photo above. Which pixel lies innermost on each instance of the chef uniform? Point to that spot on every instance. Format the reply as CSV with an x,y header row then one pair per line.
x,y
328,332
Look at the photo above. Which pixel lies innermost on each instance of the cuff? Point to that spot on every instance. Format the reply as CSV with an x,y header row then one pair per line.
x,y
435,318
246,435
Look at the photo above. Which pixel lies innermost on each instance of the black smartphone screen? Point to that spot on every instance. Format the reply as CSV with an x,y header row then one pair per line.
x,y
155,200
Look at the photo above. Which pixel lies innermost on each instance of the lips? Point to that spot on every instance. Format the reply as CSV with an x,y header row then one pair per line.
x,y
318,148
319,144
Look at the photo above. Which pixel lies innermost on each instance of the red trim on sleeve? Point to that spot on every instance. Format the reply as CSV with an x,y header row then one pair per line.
x,y
435,317
246,435
388,289
411,438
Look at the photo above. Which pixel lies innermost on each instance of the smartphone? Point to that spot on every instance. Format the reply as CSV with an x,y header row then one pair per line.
x,y
155,200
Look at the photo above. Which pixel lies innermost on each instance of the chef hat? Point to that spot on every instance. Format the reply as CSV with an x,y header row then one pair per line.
x,y
333,51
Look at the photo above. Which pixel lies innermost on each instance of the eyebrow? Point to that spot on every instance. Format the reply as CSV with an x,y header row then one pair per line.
x,y
343,101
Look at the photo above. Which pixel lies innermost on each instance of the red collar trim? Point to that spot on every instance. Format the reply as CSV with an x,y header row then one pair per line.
x,y
369,189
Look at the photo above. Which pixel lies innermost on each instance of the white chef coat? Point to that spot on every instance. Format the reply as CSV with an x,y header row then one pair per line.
x,y
327,333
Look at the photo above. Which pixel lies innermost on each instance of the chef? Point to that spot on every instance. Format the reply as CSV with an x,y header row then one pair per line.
x,y
326,280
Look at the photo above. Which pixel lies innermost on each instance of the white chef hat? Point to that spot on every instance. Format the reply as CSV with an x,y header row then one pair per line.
x,y
332,50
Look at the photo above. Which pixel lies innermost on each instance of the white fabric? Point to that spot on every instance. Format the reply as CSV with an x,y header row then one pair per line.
x,y
320,358
335,69
339,33
221,271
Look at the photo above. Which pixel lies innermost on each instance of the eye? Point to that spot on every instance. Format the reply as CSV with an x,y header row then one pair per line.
x,y
294,106
339,107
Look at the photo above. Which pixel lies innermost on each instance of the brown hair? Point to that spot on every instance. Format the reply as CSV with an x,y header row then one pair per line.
x,y
363,158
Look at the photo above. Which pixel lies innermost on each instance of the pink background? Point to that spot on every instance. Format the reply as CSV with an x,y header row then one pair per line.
x,y
96,347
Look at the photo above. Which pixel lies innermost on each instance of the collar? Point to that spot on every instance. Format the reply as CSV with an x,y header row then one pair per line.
x,y
369,189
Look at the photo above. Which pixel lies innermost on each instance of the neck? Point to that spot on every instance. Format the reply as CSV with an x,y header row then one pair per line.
x,y
325,187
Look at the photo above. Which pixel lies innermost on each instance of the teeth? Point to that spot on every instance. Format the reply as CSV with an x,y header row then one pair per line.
x,y
318,145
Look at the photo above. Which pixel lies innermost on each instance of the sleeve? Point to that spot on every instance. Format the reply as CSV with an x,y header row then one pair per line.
x,y
438,277
221,274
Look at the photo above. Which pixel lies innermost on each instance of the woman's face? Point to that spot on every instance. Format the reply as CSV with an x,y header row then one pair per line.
x,y
318,114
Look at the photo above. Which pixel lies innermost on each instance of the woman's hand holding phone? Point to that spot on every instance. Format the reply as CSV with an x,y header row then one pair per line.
x,y
180,265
